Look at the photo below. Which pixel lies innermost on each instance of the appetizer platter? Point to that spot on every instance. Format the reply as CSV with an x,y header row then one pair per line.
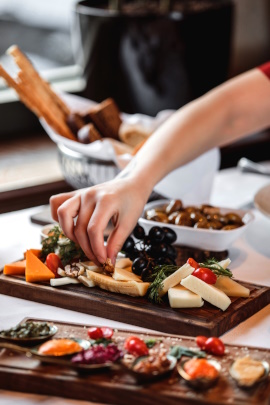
x,y
136,367
152,284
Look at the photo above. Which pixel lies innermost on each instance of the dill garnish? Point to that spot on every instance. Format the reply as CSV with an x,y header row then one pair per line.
x,y
156,279
216,268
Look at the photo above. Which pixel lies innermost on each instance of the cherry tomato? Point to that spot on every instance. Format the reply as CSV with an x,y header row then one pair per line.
x,y
107,332
193,263
215,346
53,261
205,275
200,340
136,346
95,333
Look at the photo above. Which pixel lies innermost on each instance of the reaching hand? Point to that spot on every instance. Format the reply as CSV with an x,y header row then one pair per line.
x,y
120,200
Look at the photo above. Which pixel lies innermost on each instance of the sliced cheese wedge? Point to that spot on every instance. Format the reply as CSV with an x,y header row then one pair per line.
x,y
208,292
125,275
85,281
92,266
176,277
123,263
225,263
231,287
105,282
180,297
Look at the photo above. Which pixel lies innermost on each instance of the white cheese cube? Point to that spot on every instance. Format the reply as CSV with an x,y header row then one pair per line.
x,y
231,287
207,291
180,297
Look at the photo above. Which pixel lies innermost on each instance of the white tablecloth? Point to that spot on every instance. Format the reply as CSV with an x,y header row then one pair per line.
x,y
250,257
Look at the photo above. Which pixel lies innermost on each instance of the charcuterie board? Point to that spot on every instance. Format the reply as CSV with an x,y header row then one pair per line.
x,y
117,386
206,320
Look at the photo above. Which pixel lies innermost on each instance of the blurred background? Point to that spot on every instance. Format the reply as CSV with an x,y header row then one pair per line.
x,y
234,37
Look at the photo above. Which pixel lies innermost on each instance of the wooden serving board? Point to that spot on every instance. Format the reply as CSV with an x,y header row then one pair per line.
x,y
117,386
207,320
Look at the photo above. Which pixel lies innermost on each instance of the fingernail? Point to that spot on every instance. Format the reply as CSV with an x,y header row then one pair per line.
x,y
101,259
113,259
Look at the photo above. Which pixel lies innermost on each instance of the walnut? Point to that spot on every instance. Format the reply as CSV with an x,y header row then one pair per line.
x,y
108,266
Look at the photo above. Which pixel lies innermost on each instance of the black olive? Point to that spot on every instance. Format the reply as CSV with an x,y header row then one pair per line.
x,y
158,250
170,236
128,246
147,241
156,234
146,273
171,253
138,265
138,232
165,261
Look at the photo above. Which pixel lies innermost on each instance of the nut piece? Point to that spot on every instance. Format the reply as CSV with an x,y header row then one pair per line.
x,y
74,270
108,266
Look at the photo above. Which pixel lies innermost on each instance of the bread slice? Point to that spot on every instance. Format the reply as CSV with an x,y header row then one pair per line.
x,y
133,135
106,117
88,134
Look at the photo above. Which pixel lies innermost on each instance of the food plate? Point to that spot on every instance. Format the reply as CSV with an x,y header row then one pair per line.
x,y
262,200
29,341
209,239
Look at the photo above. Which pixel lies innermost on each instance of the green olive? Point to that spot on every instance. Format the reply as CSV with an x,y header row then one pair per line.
x,y
173,216
174,205
233,218
230,227
183,218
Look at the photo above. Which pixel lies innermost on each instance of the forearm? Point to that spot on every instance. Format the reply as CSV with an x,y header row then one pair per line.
x,y
237,108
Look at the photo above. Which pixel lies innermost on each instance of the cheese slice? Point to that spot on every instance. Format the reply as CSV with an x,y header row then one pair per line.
x,y
106,282
58,282
85,281
225,263
125,275
231,287
207,291
92,266
180,297
123,263
176,277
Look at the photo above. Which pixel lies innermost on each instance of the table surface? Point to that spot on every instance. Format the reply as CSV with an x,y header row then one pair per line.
x,y
250,257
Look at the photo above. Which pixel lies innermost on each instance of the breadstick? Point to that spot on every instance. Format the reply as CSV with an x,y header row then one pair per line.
x,y
28,98
26,66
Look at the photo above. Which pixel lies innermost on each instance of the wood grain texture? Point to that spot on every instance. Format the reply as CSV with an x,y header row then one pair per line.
x,y
207,320
118,387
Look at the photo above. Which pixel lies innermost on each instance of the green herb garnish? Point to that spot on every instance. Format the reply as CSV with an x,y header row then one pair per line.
x,y
179,351
150,343
101,341
216,268
27,330
57,242
156,279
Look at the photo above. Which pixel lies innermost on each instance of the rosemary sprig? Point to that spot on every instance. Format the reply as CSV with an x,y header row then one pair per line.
x,y
156,279
216,268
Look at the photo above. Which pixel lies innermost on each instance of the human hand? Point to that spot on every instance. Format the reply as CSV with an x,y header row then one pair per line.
x,y
120,200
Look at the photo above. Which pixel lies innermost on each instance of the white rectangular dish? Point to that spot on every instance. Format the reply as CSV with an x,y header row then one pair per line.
x,y
206,239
